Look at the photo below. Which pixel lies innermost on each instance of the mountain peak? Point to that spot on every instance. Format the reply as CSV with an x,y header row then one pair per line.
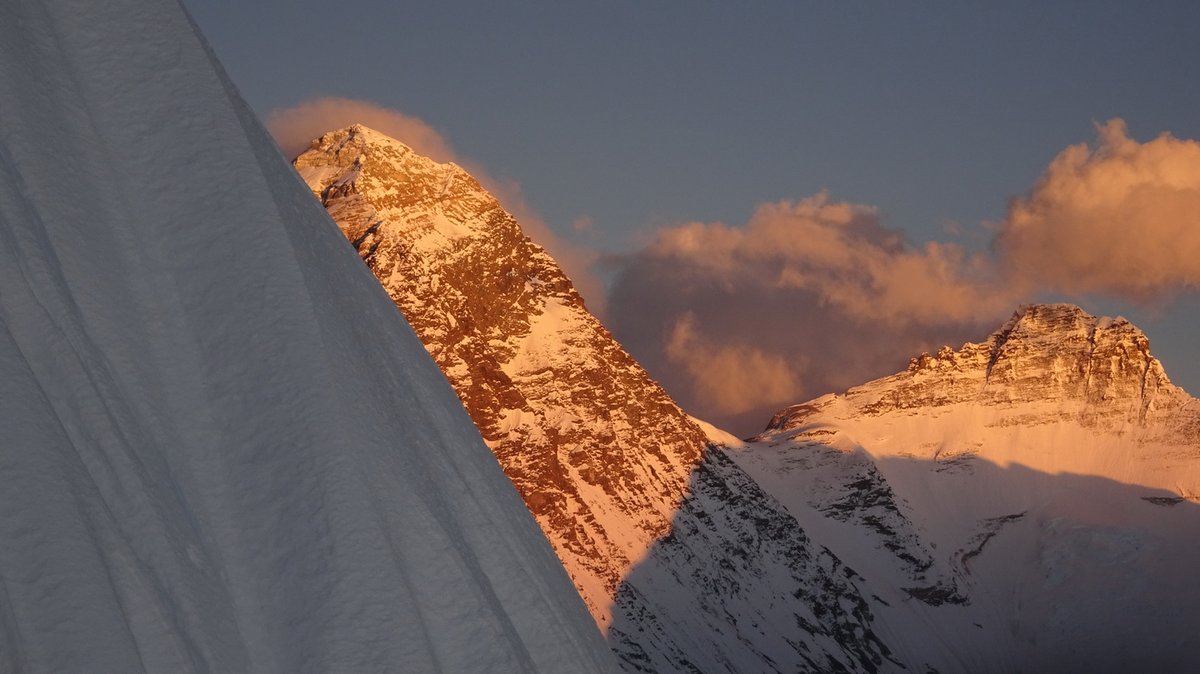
x,y
1045,355
1067,333
554,396
357,135
1051,312
1059,438
1064,320
639,507
359,146
1054,353
357,128
368,178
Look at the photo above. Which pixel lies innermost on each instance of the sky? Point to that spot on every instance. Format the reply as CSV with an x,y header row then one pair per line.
x,y
769,201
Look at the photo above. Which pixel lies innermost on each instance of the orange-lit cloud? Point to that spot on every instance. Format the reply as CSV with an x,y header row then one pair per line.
x,y
294,128
582,225
843,255
733,377
808,297
813,296
1120,218
824,284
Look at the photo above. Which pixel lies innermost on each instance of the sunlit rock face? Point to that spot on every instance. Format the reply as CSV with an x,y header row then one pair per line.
x,y
1030,502
684,561
563,407
1055,354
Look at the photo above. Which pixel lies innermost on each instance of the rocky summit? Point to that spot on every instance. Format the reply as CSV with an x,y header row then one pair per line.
x,y
1054,353
683,560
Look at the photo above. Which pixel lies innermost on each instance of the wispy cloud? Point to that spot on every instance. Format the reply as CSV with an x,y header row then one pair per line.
x,y
806,297
733,377
297,126
294,128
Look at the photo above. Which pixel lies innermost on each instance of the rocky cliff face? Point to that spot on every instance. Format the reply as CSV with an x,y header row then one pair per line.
x,y
591,443
1028,502
685,562
1054,353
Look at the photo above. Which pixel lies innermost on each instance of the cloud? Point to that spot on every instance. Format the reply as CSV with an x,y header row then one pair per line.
x,y
1119,218
816,295
807,297
731,377
582,225
294,128
840,253
813,296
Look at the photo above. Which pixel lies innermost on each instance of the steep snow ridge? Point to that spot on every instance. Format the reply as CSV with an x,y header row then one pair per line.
x,y
685,562
221,447
1022,503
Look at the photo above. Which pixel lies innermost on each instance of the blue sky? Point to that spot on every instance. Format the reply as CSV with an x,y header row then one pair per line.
x,y
639,116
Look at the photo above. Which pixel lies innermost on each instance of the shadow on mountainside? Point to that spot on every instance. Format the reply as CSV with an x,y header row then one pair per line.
x,y
1065,572
737,586
1059,572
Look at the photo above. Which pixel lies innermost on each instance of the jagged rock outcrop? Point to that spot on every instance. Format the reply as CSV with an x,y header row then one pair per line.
x,y
1024,503
679,555
1045,353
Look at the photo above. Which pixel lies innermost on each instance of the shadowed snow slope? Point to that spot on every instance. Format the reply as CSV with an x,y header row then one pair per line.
x,y
1027,503
221,446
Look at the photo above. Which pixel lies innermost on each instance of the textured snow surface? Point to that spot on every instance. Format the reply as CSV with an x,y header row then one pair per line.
x,y
1027,503
221,447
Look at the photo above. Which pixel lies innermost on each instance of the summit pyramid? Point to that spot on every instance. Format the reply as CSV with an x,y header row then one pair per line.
x,y
684,562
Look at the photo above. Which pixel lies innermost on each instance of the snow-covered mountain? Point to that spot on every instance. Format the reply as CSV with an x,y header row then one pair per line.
x,y
685,562
1027,503
222,449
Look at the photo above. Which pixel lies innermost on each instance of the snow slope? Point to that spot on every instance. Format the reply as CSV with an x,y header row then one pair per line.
x,y
221,446
1027,503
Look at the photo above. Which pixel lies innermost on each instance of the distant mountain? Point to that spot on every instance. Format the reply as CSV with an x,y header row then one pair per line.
x,y
1028,503
680,556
